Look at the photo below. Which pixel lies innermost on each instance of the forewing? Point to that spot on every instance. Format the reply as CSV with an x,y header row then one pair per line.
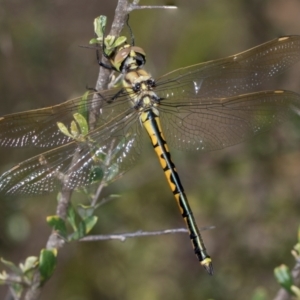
x,y
222,122
39,128
230,76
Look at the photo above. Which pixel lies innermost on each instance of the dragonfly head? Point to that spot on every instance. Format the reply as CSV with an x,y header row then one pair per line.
x,y
128,58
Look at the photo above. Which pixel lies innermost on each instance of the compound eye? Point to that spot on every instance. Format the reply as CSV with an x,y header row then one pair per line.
x,y
151,82
140,60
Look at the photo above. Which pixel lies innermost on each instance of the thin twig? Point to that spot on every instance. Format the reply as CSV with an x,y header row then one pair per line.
x,y
135,3
135,7
97,194
123,236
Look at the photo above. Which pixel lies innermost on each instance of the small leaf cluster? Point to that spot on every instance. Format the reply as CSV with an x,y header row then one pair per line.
x,y
109,42
80,227
22,276
284,275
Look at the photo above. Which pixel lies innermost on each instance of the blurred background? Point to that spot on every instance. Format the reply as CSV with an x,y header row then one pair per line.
x,y
249,192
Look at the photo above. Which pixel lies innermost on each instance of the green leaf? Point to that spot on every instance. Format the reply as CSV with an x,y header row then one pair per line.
x,y
99,27
64,129
75,132
57,224
119,41
3,277
30,263
90,222
71,217
111,42
93,41
82,123
79,233
296,291
83,108
74,129
85,211
284,277
47,263
11,266
96,174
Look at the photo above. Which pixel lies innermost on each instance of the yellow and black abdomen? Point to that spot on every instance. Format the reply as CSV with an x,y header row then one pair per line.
x,y
150,120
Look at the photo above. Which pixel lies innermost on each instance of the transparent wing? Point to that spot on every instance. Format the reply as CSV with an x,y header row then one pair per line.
x,y
230,76
104,155
39,128
222,122
204,106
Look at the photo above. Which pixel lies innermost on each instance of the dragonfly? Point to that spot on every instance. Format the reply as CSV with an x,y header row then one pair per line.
x,y
203,107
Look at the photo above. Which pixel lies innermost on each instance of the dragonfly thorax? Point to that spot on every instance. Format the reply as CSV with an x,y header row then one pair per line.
x,y
139,85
